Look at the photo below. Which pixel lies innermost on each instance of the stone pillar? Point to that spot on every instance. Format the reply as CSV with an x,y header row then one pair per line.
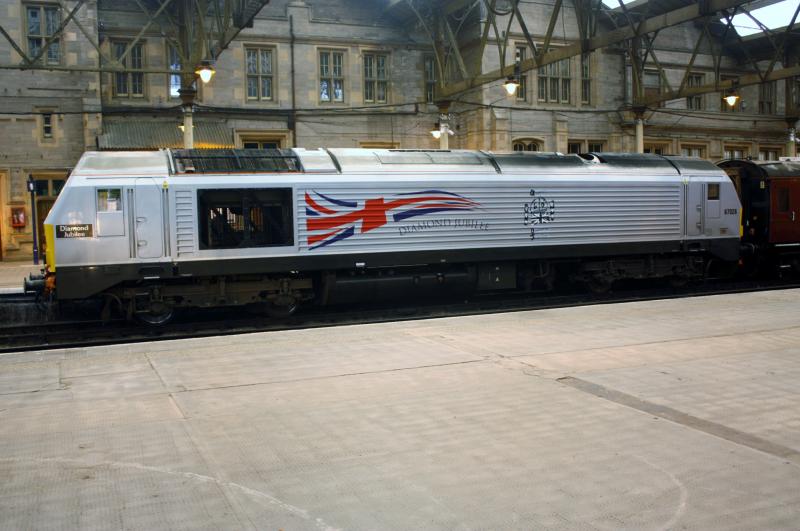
x,y
187,94
639,135
560,133
791,143
444,124
188,127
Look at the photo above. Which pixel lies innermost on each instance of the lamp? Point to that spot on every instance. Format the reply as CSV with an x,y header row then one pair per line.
x,y
205,71
511,85
436,131
512,82
732,95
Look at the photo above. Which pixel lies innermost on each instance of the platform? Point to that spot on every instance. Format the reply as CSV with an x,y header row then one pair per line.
x,y
677,414
13,273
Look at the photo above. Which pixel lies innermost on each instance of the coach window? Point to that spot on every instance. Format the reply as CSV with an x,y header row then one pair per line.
x,y
110,221
783,200
239,218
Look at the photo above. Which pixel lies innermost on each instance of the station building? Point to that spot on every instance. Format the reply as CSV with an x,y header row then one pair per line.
x,y
349,73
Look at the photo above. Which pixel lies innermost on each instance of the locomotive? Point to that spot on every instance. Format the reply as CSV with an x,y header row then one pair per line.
x,y
150,232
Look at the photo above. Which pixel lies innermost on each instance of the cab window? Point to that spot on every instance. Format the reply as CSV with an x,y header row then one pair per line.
x,y
109,200
110,217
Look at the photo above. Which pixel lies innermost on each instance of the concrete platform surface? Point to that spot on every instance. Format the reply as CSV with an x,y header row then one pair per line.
x,y
679,414
13,273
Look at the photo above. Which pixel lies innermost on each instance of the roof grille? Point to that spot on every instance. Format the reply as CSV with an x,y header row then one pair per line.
x,y
235,161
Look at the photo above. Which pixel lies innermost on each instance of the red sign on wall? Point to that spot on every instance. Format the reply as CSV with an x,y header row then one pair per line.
x,y
18,218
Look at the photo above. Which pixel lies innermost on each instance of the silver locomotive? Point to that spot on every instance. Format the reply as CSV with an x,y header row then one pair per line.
x,y
153,231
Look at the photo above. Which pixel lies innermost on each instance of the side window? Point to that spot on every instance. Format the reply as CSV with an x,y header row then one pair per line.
x,y
110,215
109,200
783,200
239,218
713,191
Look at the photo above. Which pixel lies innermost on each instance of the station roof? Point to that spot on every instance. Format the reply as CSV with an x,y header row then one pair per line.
x,y
157,134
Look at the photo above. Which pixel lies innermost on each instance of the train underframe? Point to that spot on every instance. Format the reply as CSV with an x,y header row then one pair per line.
x,y
280,295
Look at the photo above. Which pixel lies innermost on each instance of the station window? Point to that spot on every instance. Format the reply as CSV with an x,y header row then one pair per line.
x,y
331,76
713,191
769,154
522,89
175,65
735,152
261,144
129,84
574,147
47,125
42,22
689,150
46,187
586,79
695,102
555,82
258,62
240,218
375,77
525,145
595,147
766,98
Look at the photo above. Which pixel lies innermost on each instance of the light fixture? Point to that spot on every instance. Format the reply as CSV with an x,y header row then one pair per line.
x,y
183,127
436,131
511,85
512,82
205,70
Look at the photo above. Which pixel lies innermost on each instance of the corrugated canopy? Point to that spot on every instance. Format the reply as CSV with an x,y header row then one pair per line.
x,y
151,134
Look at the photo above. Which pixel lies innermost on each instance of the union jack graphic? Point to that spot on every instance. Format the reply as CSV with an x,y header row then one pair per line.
x,y
329,220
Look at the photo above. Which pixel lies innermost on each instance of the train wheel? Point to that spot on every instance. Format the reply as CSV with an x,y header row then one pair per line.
x,y
159,313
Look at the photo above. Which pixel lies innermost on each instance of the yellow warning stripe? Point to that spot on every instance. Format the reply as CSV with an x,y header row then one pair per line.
x,y
50,247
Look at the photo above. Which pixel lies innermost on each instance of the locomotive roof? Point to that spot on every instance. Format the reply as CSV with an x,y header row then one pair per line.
x,y
356,161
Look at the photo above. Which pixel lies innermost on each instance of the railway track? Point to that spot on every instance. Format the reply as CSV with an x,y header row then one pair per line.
x,y
55,334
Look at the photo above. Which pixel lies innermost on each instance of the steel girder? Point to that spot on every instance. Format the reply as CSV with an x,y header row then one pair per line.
x,y
459,49
197,29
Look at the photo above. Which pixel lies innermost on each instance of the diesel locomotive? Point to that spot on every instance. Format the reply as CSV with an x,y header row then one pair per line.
x,y
154,231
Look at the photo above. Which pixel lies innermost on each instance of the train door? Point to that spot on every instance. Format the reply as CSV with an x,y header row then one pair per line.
x,y
695,199
149,221
712,207
784,211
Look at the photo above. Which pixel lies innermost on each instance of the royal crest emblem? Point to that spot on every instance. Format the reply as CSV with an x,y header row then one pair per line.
x,y
538,211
